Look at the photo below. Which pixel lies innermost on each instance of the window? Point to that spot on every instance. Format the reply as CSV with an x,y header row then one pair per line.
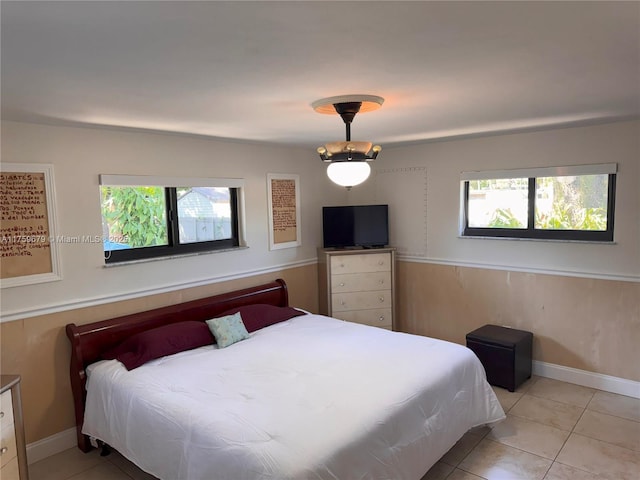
x,y
563,203
148,217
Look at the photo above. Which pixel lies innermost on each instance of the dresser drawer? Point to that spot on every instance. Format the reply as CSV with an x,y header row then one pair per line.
x,y
360,282
6,409
360,263
379,317
342,302
7,445
13,455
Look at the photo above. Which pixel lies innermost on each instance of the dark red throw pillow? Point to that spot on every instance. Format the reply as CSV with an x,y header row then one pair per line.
x,y
159,342
261,315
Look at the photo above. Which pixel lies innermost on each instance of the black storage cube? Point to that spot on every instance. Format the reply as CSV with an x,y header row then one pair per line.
x,y
505,354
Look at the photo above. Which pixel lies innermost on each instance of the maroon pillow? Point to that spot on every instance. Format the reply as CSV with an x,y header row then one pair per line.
x,y
159,342
261,315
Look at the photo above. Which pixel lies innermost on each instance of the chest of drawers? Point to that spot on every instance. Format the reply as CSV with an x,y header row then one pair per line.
x,y
13,455
358,285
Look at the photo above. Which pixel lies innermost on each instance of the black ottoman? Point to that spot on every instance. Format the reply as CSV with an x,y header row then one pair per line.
x,y
505,354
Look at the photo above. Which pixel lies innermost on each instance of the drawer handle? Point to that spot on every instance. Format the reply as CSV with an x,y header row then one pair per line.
x,y
381,299
342,284
343,302
381,318
381,282
1,414
380,262
3,450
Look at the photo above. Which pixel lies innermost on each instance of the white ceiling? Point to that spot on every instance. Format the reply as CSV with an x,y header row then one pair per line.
x,y
250,70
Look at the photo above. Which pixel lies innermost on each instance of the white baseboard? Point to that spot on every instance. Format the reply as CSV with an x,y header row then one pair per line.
x,y
49,446
607,383
67,439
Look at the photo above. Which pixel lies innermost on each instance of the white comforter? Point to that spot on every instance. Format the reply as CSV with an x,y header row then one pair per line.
x,y
309,398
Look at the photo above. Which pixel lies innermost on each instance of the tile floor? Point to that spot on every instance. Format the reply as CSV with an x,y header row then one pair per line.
x,y
553,431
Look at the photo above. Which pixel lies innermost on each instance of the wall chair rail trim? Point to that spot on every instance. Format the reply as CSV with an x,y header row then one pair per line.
x,y
94,301
508,268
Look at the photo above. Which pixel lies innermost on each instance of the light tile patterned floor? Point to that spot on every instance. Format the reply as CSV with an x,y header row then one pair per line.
x,y
553,431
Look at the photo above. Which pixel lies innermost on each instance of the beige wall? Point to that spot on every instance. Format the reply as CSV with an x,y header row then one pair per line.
x,y
584,323
37,348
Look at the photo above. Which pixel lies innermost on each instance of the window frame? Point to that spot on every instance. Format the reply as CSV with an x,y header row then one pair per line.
x,y
173,247
530,232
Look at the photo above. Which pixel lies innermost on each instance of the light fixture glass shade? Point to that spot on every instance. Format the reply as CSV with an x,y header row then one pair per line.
x,y
348,174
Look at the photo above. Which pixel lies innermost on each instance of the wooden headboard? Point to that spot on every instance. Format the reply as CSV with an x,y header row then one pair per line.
x,y
90,340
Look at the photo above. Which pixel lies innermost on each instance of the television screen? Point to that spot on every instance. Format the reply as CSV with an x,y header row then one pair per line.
x,y
355,226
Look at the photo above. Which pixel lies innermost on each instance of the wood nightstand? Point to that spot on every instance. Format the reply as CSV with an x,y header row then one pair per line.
x,y
13,453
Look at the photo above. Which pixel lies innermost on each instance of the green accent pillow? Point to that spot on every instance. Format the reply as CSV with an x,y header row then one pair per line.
x,y
228,329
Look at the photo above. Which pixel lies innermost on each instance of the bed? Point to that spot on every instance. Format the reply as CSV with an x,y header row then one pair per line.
x,y
307,397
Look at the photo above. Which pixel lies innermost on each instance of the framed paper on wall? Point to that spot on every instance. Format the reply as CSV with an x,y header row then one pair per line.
x,y
28,246
283,196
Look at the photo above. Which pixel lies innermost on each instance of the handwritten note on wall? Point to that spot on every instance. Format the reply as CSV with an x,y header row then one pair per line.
x,y
284,210
283,201
25,247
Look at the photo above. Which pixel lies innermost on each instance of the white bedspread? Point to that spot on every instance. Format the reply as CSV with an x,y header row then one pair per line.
x,y
309,398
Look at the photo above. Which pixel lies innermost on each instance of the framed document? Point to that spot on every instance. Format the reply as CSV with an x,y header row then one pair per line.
x,y
28,247
283,196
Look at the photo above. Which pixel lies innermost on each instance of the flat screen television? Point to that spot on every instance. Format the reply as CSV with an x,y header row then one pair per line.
x,y
355,226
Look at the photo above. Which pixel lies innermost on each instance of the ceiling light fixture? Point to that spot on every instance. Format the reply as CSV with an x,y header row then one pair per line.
x,y
348,160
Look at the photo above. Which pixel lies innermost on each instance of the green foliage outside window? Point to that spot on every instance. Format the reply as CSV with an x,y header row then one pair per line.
x,y
504,218
579,203
137,213
563,217
571,204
